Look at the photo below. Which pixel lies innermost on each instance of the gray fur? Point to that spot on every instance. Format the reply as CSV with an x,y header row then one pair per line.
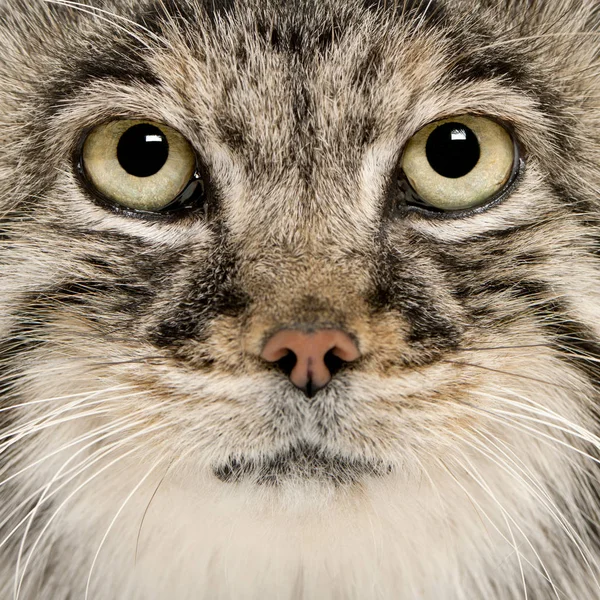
x,y
457,459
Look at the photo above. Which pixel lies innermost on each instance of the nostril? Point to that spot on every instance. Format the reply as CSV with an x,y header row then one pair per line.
x,y
333,363
287,363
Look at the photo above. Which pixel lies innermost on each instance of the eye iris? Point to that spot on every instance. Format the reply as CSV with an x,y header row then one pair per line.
x,y
143,150
452,150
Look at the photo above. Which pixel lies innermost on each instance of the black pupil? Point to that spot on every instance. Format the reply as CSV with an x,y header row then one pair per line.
x,y
452,150
143,150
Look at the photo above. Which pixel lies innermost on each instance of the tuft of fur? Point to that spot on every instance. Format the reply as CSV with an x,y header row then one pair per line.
x,y
145,450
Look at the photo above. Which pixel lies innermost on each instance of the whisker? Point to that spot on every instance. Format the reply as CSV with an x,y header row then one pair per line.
x,y
111,525
570,427
541,410
97,435
474,474
525,428
104,434
509,373
59,398
480,509
74,471
139,533
49,420
100,13
145,412
508,347
19,579
546,501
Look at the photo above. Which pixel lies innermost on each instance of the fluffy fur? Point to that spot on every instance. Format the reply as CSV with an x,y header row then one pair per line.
x,y
147,452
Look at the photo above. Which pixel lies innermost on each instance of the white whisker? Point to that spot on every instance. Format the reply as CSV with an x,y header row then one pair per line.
x,y
111,524
20,577
103,15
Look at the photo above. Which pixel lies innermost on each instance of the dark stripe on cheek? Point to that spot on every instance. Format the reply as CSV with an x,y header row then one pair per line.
x,y
397,288
213,292
574,342
22,340
586,208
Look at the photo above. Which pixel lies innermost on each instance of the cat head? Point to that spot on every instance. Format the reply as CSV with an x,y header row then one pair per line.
x,y
301,227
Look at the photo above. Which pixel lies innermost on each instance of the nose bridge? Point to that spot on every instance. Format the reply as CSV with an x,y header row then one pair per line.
x,y
306,285
300,215
305,312
304,291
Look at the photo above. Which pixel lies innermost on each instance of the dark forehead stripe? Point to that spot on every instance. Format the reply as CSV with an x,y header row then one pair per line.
x,y
476,56
119,61
469,64
157,12
426,11
119,54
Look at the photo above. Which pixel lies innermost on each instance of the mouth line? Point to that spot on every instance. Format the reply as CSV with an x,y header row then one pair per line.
x,y
302,463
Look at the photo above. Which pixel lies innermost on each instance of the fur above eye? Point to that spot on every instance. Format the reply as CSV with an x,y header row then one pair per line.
x,y
459,163
139,165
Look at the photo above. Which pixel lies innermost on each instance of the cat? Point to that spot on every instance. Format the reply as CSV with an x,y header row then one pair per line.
x,y
299,299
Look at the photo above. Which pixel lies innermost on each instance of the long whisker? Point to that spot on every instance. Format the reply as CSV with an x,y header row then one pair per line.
x,y
60,398
19,579
114,520
88,461
73,471
146,411
100,13
544,499
41,501
489,413
109,429
480,509
508,373
474,474
97,435
46,421
139,533
438,494
533,407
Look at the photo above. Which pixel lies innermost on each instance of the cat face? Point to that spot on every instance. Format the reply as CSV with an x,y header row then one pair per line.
x,y
136,331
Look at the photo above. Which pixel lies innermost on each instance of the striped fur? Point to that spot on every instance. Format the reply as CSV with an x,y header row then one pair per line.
x,y
147,453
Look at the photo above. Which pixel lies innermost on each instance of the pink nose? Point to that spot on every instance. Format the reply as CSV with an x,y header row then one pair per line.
x,y
316,355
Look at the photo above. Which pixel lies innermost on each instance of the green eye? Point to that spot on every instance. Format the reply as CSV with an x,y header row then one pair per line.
x,y
459,163
140,165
